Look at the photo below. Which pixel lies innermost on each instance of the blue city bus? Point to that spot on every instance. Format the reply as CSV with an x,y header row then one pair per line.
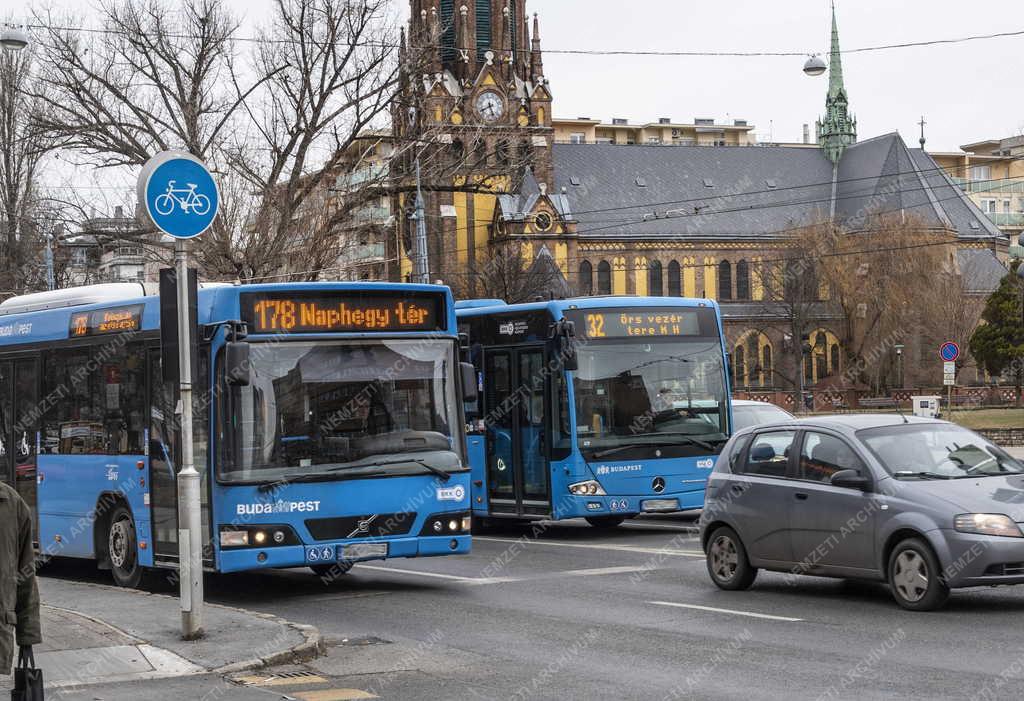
x,y
596,407
328,425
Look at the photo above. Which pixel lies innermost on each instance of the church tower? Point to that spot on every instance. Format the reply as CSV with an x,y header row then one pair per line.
x,y
837,129
475,102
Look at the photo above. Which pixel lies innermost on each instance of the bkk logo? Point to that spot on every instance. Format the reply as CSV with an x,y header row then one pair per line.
x,y
457,493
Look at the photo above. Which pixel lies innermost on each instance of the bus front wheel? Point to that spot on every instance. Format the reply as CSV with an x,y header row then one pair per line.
x,y
328,573
123,550
605,521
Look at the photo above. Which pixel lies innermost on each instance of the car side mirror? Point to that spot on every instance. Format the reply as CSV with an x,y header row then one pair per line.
x,y
237,363
469,391
851,479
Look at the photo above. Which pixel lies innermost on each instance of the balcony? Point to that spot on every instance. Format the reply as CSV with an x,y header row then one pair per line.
x,y
1008,186
371,215
364,252
1002,219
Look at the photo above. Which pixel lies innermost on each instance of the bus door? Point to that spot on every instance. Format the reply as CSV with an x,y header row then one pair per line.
x,y
517,465
19,418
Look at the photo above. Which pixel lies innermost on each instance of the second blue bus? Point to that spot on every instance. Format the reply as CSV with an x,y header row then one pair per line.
x,y
599,407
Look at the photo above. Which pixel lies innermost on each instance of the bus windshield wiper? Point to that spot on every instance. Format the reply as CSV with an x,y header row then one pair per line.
x,y
443,474
684,439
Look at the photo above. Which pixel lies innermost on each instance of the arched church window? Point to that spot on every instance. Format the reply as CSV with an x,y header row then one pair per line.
x,y
742,280
654,281
674,280
586,284
604,278
725,280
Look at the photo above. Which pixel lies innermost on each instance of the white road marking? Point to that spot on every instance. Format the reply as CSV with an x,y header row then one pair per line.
x,y
749,614
594,546
642,525
480,581
452,577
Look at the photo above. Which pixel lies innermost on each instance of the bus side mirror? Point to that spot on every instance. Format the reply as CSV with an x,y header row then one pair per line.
x,y
237,363
469,393
565,344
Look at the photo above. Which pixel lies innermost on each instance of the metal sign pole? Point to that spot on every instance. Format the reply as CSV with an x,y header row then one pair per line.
x,y
190,526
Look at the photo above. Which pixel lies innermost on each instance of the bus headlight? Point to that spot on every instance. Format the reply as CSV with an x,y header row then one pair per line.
x,y
590,488
447,524
257,536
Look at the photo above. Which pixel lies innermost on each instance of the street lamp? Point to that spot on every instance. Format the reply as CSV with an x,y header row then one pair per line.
x,y
815,66
13,37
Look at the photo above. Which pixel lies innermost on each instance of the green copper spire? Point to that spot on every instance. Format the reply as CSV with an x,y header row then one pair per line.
x,y
837,129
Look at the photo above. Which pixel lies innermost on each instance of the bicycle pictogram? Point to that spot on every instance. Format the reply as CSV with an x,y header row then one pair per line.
x,y
190,201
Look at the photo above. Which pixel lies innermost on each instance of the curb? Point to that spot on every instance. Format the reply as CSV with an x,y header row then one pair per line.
x,y
312,646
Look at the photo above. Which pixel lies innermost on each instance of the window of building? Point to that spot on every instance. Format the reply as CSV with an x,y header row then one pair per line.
x,y
577,137
604,278
674,280
79,257
725,280
654,281
483,26
1006,206
988,206
981,172
654,140
586,284
742,280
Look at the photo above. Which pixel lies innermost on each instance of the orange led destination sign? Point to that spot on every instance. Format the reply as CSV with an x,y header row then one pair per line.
x,y
638,322
343,312
104,321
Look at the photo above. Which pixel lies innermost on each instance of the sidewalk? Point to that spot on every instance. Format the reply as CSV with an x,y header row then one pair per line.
x,y
96,633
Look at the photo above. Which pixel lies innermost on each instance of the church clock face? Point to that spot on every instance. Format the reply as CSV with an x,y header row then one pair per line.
x,y
490,106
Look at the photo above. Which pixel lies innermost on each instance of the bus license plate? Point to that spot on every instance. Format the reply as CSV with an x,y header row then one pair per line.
x,y
320,553
358,550
660,505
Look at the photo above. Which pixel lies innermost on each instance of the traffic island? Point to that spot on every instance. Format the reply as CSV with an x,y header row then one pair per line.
x,y
95,633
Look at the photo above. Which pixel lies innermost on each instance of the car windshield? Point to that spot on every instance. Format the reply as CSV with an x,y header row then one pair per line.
x,y
321,409
746,415
651,393
937,451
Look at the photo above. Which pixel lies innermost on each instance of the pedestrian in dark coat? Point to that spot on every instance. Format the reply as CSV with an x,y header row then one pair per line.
x,y
19,595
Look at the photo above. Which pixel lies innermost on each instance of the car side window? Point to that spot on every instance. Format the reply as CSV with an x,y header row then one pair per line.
x,y
737,452
823,455
768,454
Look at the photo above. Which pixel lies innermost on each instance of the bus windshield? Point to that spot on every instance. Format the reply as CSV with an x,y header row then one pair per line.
x,y
638,398
328,410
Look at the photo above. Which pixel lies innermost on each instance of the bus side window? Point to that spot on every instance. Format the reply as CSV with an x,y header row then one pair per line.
x,y
102,390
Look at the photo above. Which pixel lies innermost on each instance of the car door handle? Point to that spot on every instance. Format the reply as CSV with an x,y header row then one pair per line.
x,y
802,496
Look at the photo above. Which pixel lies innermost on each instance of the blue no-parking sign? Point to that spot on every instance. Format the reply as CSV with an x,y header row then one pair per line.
x,y
949,351
178,194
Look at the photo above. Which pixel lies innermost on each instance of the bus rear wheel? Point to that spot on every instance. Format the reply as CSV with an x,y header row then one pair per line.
x,y
605,521
123,549
329,573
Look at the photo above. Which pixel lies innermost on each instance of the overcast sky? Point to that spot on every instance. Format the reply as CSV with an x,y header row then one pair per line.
x,y
967,92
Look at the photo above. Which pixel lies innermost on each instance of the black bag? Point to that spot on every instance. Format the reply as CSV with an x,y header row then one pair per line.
x,y
28,681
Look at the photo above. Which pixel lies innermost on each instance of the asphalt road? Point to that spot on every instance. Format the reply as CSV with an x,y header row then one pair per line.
x,y
574,612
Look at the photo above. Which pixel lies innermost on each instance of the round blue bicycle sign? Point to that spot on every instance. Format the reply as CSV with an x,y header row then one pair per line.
x,y
949,351
178,194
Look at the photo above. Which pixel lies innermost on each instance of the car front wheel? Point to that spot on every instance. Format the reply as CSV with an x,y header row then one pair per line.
x,y
727,561
915,577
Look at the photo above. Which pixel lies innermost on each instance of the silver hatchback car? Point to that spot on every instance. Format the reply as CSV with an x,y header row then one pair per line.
x,y
923,505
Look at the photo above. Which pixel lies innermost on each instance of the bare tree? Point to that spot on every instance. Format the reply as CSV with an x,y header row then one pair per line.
x,y
24,214
511,276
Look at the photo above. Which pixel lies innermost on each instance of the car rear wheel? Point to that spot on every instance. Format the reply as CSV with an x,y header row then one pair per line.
x,y
915,577
333,571
727,561
605,521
